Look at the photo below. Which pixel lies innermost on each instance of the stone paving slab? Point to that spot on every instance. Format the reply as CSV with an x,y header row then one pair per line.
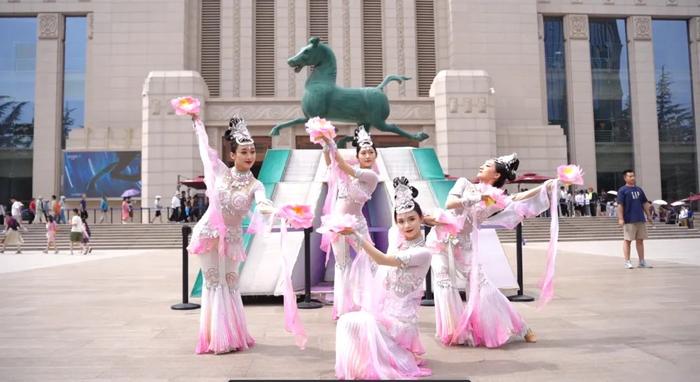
x,y
107,317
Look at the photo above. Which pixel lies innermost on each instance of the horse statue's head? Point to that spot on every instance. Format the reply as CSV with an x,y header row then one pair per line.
x,y
313,54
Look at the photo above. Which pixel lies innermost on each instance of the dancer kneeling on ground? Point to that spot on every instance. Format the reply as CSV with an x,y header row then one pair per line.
x,y
385,344
492,320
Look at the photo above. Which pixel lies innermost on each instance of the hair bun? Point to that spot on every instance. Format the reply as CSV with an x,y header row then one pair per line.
x,y
402,180
227,134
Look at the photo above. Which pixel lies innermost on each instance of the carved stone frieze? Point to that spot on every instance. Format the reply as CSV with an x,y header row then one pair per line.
x,y
49,26
576,27
641,28
271,112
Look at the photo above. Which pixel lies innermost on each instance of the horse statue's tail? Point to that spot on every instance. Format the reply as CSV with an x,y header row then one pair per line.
x,y
392,77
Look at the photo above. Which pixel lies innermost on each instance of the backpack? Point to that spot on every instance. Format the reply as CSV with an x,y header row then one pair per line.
x,y
12,223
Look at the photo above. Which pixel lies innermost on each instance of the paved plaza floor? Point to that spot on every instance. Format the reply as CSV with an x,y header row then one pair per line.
x,y
107,317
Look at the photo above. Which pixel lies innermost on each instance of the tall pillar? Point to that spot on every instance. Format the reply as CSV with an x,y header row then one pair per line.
x,y
645,128
695,68
465,120
168,143
48,101
579,94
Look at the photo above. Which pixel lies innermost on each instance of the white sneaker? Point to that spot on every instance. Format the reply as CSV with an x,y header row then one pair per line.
x,y
628,265
643,264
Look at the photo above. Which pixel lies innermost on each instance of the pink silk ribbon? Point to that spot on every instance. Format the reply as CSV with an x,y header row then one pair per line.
x,y
546,284
292,321
333,174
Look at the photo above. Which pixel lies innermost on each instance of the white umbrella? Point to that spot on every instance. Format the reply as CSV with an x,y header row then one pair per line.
x,y
678,203
659,202
612,192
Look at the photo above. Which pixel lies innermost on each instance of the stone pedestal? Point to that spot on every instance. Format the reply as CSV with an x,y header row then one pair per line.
x,y
465,123
168,142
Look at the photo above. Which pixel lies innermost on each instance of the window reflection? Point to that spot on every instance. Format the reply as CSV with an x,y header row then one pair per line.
x,y
17,71
674,109
555,65
611,101
74,76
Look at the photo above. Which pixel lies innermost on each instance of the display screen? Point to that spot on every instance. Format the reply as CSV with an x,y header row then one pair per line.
x,y
108,173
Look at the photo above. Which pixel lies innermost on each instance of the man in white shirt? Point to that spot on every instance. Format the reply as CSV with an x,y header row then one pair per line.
x,y
16,212
175,205
76,231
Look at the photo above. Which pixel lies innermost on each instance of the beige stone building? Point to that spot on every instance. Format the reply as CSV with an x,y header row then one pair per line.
x,y
553,80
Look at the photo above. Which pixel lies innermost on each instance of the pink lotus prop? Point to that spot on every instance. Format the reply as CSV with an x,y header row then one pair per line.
x,y
336,223
297,215
495,196
318,128
570,174
186,106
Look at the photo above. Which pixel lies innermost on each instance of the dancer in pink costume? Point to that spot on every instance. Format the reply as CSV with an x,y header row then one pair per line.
x,y
218,238
385,343
355,186
490,320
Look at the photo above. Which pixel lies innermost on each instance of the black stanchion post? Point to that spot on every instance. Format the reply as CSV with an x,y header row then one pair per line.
x,y
185,305
520,297
111,215
308,303
428,297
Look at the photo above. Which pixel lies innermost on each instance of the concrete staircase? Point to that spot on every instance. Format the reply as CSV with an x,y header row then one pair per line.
x,y
108,236
154,236
588,228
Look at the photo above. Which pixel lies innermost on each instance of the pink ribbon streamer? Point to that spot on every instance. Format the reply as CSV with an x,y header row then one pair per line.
x,y
546,284
334,174
292,321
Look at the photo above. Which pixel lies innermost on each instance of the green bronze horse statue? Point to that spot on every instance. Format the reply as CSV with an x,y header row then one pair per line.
x,y
322,97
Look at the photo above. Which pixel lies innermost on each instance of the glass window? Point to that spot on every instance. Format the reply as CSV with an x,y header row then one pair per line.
x,y
17,72
674,109
74,76
555,65
611,101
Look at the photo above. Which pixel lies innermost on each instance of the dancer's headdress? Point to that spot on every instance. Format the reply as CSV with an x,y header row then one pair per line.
x,y
238,131
403,195
362,137
510,162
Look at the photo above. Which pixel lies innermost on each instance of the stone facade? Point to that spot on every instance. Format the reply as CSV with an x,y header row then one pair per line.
x,y
500,39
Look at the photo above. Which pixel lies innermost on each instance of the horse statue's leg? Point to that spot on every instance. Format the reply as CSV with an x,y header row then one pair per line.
x,y
391,128
276,130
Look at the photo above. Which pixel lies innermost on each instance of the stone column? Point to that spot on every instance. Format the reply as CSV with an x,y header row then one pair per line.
x,y
579,85
48,105
645,128
695,68
465,121
168,142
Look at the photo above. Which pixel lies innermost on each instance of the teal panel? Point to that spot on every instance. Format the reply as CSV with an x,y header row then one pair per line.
x,y
273,166
428,164
441,188
197,288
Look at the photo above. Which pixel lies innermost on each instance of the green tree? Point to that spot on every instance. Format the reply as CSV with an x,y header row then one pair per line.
x,y
675,120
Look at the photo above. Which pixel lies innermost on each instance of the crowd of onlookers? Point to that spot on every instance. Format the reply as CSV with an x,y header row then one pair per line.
x,y
49,212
